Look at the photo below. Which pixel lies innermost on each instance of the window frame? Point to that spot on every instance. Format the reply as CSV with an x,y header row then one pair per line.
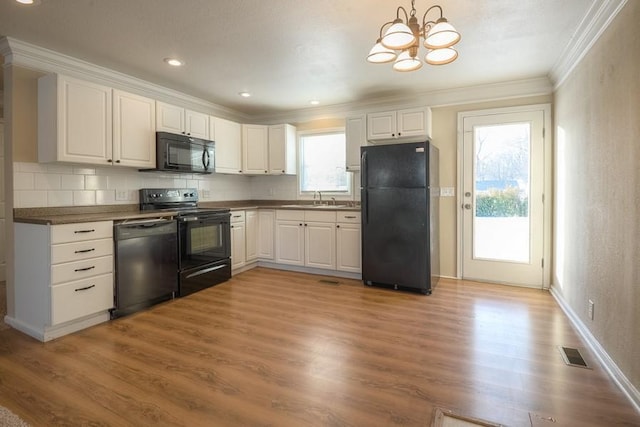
x,y
326,195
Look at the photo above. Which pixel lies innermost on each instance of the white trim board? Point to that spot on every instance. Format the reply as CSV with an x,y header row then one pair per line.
x,y
607,362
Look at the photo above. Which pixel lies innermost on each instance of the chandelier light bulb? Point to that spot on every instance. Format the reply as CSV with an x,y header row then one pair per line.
x,y
406,62
441,35
398,36
441,56
380,54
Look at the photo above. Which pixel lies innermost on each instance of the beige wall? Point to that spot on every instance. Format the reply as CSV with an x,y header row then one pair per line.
x,y
597,215
445,137
25,114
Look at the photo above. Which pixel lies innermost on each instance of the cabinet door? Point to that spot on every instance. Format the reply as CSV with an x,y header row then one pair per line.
x,y
381,125
282,149
290,242
255,149
134,127
196,124
266,224
412,122
320,245
251,238
228,138
85,122
348,256
238,248
356,136
169,118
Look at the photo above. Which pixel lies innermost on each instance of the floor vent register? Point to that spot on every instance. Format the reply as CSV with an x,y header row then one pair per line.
x,y
572,357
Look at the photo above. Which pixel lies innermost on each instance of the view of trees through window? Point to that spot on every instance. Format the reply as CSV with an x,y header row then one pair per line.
x,y
322,163
502,170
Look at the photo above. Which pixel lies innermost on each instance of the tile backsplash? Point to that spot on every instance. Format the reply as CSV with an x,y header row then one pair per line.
x,y
54,185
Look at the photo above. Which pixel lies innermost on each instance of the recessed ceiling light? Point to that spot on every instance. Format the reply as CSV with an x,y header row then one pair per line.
x,y
173,62
29,2
244,94
314,102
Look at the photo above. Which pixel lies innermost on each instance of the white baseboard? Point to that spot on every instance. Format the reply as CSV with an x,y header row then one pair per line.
x,y
49,333
607,362
321,271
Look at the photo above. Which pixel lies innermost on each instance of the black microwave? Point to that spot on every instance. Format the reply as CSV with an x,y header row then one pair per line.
x,y
182,153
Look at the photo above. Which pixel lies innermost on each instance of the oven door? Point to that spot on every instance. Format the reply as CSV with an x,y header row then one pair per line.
x,y
204,239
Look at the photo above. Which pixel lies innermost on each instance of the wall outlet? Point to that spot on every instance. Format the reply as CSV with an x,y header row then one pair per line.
x,y
122,195
591,309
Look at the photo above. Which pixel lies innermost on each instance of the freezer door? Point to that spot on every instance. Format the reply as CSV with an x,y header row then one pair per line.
x,y
395,237
394,166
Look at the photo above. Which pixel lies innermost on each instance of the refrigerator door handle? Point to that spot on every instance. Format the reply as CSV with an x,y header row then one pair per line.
x,y
364,184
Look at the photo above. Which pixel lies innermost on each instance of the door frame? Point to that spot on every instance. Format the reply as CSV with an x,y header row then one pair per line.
x,y
547,136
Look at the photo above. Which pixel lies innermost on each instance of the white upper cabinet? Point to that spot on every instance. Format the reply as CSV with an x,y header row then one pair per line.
x,y
134,124
174,119
84,122
408,125
356,137
282,149
228,138
255,149
75,120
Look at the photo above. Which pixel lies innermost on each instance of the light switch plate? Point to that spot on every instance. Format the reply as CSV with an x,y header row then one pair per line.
x,y
447,192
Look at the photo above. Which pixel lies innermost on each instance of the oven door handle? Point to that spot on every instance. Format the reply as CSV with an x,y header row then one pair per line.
x,y
206,270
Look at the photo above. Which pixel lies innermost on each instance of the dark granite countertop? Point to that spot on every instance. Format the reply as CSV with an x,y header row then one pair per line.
x,y
77,214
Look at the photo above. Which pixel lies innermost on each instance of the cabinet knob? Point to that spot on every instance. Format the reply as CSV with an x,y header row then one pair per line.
x,y
399,133
337,226
393,134
282,170
265,171
109,161
117,161
300,224
239,171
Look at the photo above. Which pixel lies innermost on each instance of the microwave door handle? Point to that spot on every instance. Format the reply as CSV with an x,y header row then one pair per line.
x,y
205,159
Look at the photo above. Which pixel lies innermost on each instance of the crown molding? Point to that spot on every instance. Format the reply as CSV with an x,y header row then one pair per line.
x,y
17,52
439,98
24,54
595,22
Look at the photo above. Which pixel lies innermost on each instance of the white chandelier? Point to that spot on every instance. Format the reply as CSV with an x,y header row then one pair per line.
x,y
404,36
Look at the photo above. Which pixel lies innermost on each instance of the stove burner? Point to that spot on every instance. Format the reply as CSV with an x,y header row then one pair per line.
x,y
184,201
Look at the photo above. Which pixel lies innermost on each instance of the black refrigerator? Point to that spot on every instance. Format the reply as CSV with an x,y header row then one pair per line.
x,y
399,194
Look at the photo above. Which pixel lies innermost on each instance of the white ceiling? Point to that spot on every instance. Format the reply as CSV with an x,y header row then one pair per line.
x,y
287,52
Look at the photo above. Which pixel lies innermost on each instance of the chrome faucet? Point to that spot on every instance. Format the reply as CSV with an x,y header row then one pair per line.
x,y
333,201
319,196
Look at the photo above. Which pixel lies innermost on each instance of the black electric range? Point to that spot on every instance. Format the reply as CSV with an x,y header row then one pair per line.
x,y
204,237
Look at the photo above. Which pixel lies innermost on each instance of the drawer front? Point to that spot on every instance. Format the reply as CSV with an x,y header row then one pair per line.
x,y
73,300
71,271
68,252
66,233
237,216
320,216
290,215
350,217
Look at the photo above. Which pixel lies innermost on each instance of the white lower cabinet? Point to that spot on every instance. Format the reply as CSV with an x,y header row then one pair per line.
x,y
63,277
348,242
238,245
266,234
306,238
251,235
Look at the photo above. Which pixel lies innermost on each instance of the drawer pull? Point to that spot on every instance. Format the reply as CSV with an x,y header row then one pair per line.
x,y
84,251
85,288
85,231
350,216
85,269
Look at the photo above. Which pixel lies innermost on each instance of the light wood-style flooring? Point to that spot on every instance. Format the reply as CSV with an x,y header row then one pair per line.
x,y
274,348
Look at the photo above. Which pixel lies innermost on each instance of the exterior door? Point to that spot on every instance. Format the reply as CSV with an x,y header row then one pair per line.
x,y
503,230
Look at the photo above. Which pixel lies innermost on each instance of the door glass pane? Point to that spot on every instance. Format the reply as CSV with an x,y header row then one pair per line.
x,y
501,190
